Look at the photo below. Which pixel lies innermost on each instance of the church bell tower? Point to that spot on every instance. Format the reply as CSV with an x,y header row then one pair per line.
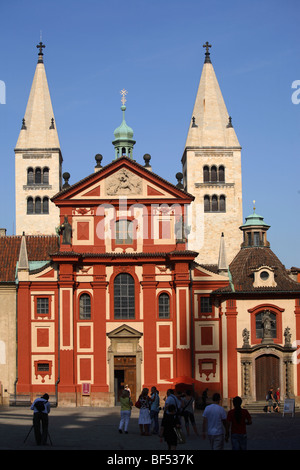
x,y
211,165
38,160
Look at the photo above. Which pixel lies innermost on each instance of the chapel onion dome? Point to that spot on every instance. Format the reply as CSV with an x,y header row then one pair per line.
x,y
123,142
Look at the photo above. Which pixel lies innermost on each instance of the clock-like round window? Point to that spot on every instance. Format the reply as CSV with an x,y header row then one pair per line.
x,y
264,275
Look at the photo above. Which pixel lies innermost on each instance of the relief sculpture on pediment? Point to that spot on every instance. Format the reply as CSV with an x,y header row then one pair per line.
x,y
123,183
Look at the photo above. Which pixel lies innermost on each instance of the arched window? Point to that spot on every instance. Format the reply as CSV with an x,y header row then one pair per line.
x,y
213,174
164,306
222,205
206,204
124,302
30,205
221,174
45,175
38,205
214,204
206,174
38,176
30,177
85,307
45,205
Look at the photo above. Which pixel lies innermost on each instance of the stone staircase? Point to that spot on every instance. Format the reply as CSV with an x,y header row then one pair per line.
x,y
258,407
255,407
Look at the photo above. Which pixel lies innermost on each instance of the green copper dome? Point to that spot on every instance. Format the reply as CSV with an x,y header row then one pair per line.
x,y
123,131
254,219
123,142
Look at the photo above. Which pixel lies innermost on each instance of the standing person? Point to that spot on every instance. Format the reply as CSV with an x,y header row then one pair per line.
x,y
277,400
237,420
126,405
204,398
169,421
128,389
144,416
270,400
41,409
214,422
188,412
154,410
173,400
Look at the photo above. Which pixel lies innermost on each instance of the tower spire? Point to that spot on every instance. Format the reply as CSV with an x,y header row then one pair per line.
x,y
123,142
211,124
39,129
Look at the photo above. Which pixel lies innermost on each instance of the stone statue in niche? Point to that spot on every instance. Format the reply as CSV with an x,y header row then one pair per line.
x,y
267,323
66,230
122,183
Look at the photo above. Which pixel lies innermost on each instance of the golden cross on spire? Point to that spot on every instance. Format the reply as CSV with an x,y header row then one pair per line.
x,y
123,99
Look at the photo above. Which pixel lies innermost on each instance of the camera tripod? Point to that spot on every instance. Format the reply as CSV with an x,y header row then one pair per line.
x,y
48,435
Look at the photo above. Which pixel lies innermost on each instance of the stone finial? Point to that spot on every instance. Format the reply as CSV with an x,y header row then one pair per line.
x,y
66,177
179,177
229,122
98,159
147,159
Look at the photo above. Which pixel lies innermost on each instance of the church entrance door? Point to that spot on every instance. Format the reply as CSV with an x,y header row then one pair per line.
x,y
267,374
124,374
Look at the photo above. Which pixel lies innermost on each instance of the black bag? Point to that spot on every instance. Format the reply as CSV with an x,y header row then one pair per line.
x,y
40,405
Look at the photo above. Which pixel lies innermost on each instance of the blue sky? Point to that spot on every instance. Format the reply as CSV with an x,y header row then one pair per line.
x,y
153,49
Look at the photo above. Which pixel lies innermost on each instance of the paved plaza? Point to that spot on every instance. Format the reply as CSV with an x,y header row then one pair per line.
x,y
97,429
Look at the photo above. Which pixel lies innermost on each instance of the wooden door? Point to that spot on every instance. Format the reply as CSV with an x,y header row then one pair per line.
x,y
127,366
267,375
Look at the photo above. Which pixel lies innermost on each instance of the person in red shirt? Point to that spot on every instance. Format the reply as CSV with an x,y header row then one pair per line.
x,y
237,419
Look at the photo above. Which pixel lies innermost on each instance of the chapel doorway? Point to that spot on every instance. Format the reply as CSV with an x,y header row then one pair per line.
x,y
124,374
267,374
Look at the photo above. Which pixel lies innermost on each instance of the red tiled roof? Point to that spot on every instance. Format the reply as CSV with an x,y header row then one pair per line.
x,y
39,248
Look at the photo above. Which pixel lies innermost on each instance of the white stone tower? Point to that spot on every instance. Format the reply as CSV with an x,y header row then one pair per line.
x,y
38,160
212,173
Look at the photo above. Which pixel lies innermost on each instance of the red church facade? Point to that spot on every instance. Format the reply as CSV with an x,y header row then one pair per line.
x,y
122,300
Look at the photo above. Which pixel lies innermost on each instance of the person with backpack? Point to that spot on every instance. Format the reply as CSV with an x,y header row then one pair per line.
x,y
41,409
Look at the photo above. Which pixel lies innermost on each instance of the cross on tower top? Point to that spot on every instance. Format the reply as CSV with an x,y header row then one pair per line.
x,y
207,53
41,46
123,99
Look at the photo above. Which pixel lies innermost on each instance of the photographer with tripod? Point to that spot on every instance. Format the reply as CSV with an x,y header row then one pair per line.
x,y
41,409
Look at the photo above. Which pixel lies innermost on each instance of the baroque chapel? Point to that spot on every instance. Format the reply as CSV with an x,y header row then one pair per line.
x,y
124,278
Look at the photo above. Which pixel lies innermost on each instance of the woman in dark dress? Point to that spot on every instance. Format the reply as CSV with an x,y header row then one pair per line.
x,y
169,421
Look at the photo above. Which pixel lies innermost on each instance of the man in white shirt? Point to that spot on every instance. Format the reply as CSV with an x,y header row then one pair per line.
x,y
214,423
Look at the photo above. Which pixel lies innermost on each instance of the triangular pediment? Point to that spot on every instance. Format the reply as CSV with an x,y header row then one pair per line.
x,y
123,178
124,331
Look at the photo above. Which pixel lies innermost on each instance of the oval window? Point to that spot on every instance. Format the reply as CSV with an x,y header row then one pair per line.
x,y
264,275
